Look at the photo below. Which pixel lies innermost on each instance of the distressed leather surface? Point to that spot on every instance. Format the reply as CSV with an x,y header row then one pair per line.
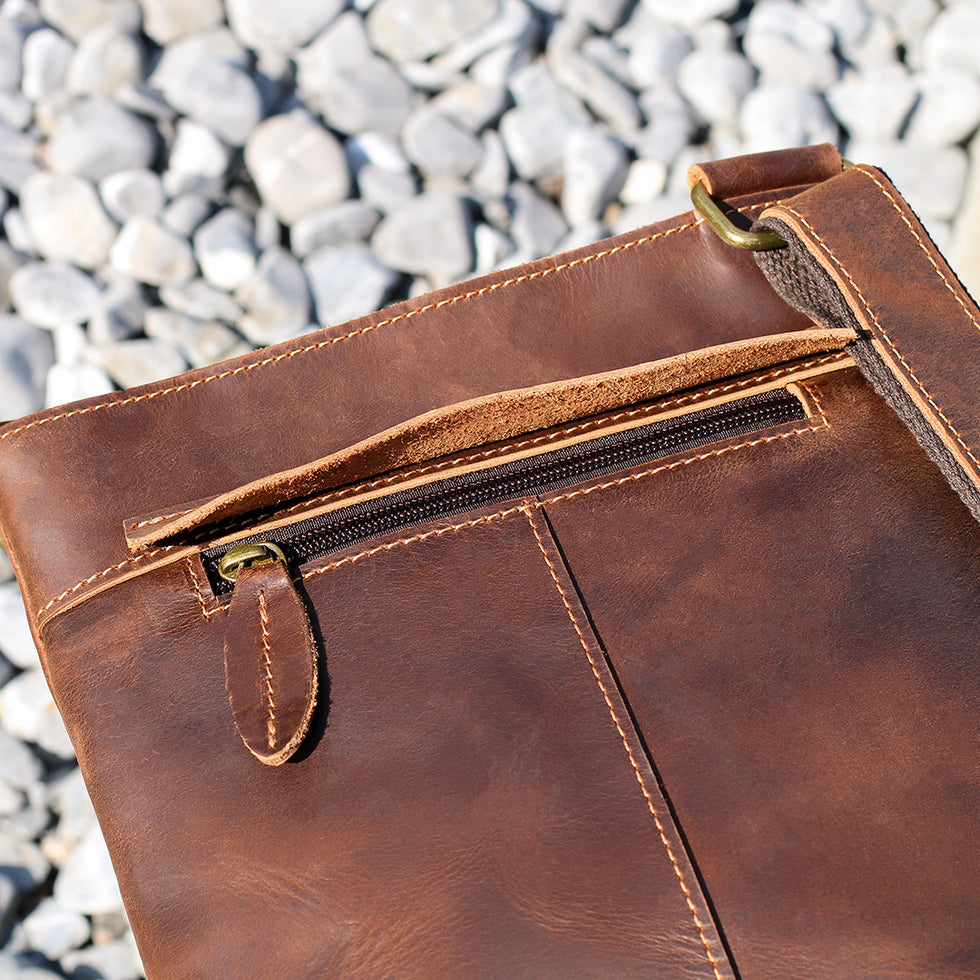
x,y
711,717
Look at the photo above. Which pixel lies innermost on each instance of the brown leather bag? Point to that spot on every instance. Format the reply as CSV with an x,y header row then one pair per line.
x,y
594,619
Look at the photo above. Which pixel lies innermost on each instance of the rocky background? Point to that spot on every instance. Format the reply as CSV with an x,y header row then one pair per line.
x,y
184,180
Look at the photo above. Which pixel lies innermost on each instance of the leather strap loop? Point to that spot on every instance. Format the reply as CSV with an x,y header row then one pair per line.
x,y
859,256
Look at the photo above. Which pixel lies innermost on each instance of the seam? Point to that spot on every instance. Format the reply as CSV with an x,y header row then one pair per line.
x,y
884,334
922,245
651,806
106,571
336,495
686,461
360,331
267,662
162,517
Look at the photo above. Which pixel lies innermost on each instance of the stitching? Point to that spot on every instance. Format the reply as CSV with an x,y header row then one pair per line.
x,y
874,319
102,574
550,437
162,517
684,462
449,301
629,752
267,661
922,245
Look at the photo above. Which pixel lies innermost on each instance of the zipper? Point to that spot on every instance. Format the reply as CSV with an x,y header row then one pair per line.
x,y
315,537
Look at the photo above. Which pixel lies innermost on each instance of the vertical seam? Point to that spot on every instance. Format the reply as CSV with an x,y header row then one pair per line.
x,y
874,319
267,663
692,908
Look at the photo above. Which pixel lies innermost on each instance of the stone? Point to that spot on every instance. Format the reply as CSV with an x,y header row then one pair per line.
x,y
534,131
789,43
11,50
68,798
497,67
16,110
715,83
491,176
780,115
53,930
692,13
209,86
120,312
86,882
276,298
98,138
66,220
22,862
513,25
655,52
147,101
438,146
873,104
596,165
347,282
429,235
932,178
353,89
17,158
18,237
952,40
297,166
45,55
76,18
49,293
201,342
17,643
132,192
380,149
876,46
669,125
645,180
151,253
848,19
28,712
10,262
282,28
106,61
224,247
349,221
948,110
16,968
414,30
964,251
536,224
165,21
492,247
19,766
471,105
185,213
603,15
384,189
25,358
610,100
116,960
138,362
201,300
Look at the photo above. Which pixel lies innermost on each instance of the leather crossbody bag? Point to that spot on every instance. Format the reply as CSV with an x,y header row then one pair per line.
x,y
614,616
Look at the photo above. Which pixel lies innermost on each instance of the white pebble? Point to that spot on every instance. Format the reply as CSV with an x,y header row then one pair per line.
x,y
715,83
276,298
167,20
45,56
948,110
107,60
132,192
151,253
50,293
224,247
347,282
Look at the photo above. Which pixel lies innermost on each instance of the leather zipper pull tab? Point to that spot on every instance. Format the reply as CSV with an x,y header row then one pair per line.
x,y
270,654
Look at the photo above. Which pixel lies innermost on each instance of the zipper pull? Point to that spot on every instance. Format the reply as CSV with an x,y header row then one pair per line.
x,y
270,653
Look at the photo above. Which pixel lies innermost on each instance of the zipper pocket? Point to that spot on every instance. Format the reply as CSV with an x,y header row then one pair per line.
x,y
315,537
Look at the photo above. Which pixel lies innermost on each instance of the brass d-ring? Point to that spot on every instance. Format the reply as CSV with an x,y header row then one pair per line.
x,y
753,241
244,555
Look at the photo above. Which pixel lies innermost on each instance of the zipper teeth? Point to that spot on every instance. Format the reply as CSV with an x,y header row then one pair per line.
x,y
315,537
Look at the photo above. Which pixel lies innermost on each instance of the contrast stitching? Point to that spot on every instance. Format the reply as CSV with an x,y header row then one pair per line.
x,y
450,301
629,752
162,517
102,574
199,592
922,245
454,527
874,319
267,661
336,495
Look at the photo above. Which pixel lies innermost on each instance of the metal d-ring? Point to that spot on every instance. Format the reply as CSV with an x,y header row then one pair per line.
x,y
753,241
245,555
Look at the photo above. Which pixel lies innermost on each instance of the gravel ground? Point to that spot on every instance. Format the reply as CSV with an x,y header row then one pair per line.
x,y
185,180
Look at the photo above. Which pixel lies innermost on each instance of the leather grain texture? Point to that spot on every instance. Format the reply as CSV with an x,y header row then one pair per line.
x,y
711,716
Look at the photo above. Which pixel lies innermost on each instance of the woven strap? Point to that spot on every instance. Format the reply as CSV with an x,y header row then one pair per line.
x,y
857,256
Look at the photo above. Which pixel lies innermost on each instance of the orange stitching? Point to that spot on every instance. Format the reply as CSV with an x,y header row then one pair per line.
x,y
162,517
450,301
98,575
267,660
199,592
511,447
629,751
922,245
912,375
